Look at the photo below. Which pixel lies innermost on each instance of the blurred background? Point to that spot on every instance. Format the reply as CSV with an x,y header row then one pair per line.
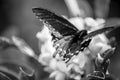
x,y
17,18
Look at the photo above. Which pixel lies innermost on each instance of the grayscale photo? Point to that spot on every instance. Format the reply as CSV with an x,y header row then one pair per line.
x,y
59,40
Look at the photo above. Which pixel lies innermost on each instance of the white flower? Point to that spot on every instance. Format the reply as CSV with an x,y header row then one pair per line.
x,y
47,48
59,69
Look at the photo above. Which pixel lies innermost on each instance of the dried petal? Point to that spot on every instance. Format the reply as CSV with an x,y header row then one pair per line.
x,y
23,46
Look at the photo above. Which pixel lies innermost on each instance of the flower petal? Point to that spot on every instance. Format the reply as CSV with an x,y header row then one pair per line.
x,y
23,46
60,76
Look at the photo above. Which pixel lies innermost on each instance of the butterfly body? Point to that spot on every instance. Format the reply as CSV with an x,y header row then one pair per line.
x,y
68,40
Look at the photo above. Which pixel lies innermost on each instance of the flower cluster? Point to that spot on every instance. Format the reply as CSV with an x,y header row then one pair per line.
x,y
79,66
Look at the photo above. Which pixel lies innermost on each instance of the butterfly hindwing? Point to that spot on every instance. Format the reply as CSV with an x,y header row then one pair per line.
x,y
58,25
62,46
96,32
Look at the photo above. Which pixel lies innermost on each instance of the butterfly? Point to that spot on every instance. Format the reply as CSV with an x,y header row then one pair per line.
x,y
68,40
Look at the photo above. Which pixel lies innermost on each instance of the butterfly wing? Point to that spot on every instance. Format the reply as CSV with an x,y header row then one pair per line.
x,y
84,38
82,42
57,25
99,31
62,46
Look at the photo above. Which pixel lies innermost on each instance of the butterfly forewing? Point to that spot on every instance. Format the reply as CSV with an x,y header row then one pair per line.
x,y
57,23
